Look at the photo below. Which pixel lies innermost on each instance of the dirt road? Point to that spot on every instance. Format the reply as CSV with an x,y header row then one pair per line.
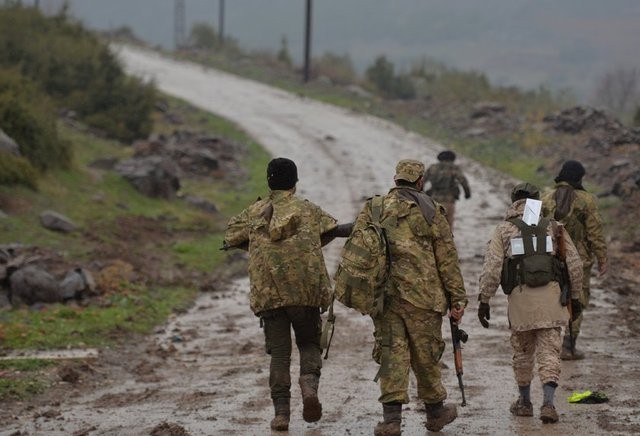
x,y
206,370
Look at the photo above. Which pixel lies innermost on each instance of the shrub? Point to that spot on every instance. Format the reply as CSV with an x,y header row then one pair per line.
x,y
381,74
27,116
16,170
283,53
338,68
76,69
203,36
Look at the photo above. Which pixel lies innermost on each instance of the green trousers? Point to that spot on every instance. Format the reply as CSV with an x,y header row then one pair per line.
x,y
307,326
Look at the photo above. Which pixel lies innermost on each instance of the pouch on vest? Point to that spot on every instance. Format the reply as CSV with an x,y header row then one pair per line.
x,y
536,267
364,268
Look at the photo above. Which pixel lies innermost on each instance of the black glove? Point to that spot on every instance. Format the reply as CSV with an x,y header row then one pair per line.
x,y
576,308
484,314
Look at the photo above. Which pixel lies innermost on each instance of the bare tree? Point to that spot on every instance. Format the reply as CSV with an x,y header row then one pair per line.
x,y
619,89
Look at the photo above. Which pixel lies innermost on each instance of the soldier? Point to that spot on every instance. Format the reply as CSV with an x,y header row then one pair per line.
x,y
445,176
424,281
535,313
572,205
289,282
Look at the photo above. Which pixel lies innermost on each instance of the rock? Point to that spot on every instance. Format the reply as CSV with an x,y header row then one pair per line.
x,y
104,163
358,91
201,203
8,144
3,214
474,132
77,282
153,176
56,221
32,284
487,109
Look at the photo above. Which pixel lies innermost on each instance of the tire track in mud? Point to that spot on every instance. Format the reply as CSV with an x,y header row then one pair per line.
x,y
216,381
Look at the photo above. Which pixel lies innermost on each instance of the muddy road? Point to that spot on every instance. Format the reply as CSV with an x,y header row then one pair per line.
x,y
206,372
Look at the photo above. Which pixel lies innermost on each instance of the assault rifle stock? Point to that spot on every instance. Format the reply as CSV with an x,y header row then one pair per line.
x,y
458,337
565,281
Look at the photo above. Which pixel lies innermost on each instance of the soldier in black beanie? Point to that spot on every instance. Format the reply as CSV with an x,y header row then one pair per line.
x,y
577,210
282,174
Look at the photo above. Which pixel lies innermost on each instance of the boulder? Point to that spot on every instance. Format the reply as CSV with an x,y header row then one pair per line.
x,y
77,282
487,109
8,144
32,284
57,222
153,176
201,203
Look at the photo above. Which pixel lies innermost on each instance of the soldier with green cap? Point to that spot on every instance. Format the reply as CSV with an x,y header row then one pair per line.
x,y
520,258
289,282
577,209
425,282
445,178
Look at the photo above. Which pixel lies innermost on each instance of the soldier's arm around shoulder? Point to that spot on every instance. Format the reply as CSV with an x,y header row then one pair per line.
x,y
494,255
447,262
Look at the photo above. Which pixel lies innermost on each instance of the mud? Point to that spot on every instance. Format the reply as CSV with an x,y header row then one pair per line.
x,y
207,367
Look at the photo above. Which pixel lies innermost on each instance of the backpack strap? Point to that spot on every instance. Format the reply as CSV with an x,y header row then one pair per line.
x,y
529,232
376,209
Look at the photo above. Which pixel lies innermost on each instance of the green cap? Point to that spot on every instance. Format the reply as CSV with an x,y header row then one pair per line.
x,y
525,190
409,170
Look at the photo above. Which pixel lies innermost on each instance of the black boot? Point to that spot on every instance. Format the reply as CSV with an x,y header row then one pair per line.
x,y
282,412
439,415
392,414
311,407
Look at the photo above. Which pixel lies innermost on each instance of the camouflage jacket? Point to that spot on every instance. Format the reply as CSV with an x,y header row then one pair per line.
x,y
424,261
445,178
582,221
286,265
529,308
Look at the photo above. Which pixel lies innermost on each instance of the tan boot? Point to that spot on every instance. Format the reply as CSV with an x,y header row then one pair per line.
x,y
439,415
311,407
567,354
521,408
548,414
390,426
282,412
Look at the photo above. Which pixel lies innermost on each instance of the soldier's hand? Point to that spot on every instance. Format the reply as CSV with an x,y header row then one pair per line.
x,y
484,314
603,268
467,195
457,312
576,308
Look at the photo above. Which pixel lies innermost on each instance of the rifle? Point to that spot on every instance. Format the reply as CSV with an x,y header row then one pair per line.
x,y
565,281
458,337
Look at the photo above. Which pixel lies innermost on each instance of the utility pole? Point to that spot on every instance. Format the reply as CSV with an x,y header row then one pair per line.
x,y
221,21
179,24
307,40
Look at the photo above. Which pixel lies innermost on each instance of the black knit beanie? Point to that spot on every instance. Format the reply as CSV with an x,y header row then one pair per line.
x,y
446,156
571,172
282,174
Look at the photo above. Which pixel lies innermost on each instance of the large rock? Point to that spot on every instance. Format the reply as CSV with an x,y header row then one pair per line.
x,y
56,221
31,285
77,282
153,176
8,144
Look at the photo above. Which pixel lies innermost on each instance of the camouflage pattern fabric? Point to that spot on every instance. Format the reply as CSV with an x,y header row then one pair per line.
x,y
445,178
424,261
541,345
307,326
286,265
529,308
584,225
415,338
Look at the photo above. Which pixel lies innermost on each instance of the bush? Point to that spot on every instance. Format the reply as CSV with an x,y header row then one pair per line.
x,y
16,170
338,68
283,53
382,76
76,69
27,116
203,36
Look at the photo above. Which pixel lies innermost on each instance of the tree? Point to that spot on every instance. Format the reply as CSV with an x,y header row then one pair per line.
x,y
203,36
619,89
283,53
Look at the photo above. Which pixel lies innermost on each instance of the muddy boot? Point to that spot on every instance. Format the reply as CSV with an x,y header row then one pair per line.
x,y
392,415
521,407
282,412
439,415
311,407
566,353
548,414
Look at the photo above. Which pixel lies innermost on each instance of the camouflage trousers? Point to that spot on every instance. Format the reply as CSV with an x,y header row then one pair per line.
x,y
586,296
307,326
543,345
408,337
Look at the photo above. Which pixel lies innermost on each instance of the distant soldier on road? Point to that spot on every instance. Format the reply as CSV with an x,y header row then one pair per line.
x,y
531,281
446,178
424,282
289,282
577,209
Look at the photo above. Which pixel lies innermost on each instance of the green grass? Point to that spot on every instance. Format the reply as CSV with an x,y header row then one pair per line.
x,y
21,389
25,365
96,200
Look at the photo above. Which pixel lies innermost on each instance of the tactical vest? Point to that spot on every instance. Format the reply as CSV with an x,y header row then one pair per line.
x,y
536,267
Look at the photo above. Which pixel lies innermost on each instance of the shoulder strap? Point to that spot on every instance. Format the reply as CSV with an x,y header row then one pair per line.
x,y
529,232
376,209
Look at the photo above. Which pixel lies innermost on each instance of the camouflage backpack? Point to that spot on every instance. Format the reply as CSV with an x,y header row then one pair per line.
x,y
364,268
443,180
